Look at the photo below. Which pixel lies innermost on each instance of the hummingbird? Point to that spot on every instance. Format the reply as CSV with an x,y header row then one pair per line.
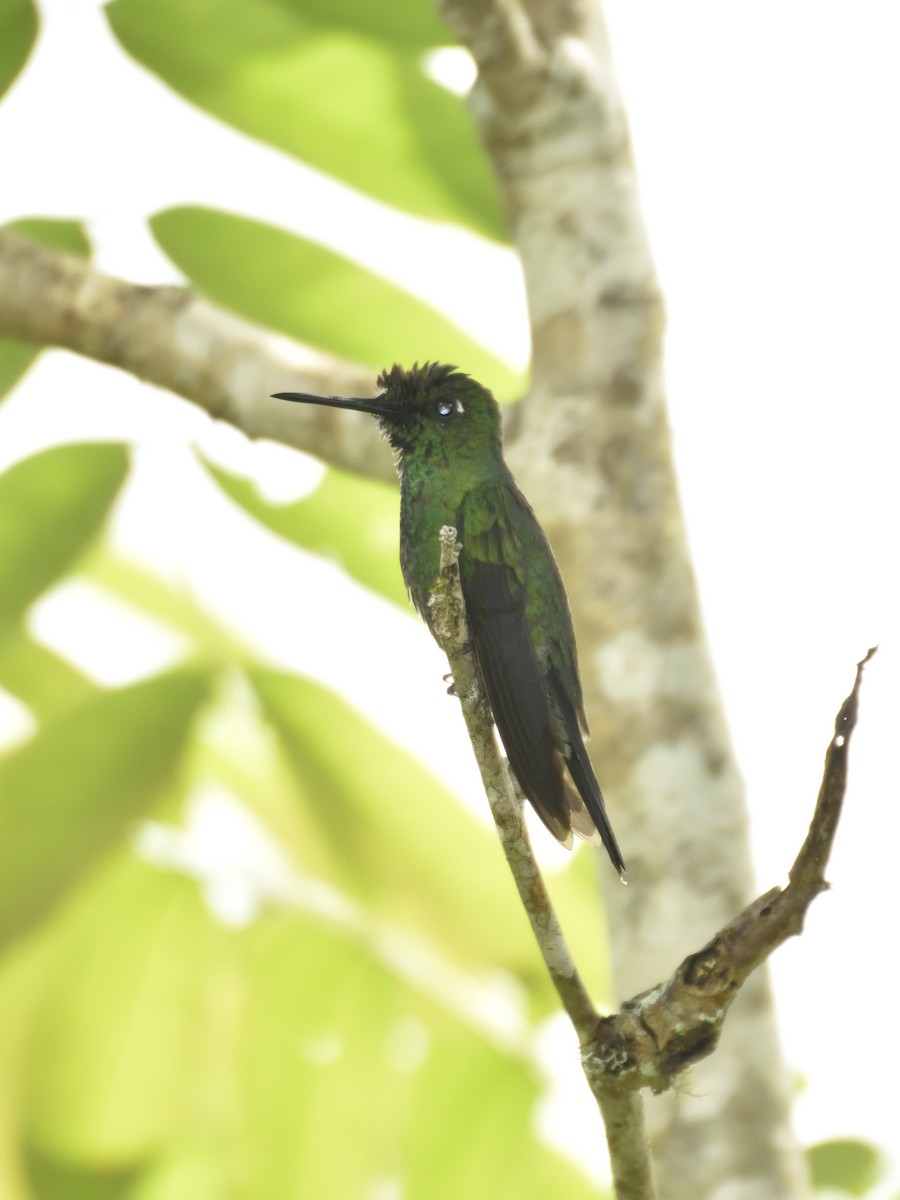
x,y
444,427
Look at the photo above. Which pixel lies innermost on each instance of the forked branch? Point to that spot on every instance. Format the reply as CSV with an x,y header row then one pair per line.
x,y
658,1034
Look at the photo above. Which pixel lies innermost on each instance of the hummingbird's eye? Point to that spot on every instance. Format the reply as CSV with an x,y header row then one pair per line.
x,y
449,408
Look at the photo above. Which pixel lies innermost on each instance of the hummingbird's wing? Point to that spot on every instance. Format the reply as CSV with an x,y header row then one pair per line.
x,y
509,580
492,574
515,689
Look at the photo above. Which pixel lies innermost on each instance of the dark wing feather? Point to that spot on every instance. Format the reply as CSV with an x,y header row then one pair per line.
x,y
533,689
495,605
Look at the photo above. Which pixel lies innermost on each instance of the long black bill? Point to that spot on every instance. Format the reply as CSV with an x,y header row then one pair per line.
x,y
377,407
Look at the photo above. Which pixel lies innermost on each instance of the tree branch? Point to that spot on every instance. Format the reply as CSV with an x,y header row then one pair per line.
x,y
452,631
622,1110
658,1034
171,337
626,1140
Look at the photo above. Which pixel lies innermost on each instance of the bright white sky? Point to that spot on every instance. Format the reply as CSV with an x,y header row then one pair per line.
x,y
766,143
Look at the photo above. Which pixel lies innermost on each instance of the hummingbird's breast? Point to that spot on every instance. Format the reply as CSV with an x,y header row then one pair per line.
x,y
424,511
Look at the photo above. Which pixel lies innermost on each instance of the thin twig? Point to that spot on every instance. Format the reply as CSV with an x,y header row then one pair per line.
x,y
659,1033
451,628
622,1109
626,1139
808,872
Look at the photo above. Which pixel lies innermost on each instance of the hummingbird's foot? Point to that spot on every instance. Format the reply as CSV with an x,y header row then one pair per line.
x,y
451,690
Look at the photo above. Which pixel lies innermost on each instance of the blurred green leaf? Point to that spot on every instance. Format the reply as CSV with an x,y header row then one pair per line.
x,y
171,603
51,506
356,106
353,520
244,757
17,357
845,1165
280,1061
117,1042
22,980
353,1077
192,1168
391,834
38,677
56,1179
18,29
58,232
276,279
71,791
407,23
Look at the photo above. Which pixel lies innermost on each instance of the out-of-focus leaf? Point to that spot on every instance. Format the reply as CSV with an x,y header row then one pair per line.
x,y
285,1060
845,1165
42,680
353,520
391,834
51,506
196,1168
118,1037
465,856
353,1077
18,29
60,233
22,980
408,23
356,106
56,1179
274,278
17,357
69,792
171,604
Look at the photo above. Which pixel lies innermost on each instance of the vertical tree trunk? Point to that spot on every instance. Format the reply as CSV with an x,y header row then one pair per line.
x,y
591,447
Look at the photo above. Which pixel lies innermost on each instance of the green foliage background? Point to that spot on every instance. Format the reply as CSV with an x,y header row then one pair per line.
x,y
147,1051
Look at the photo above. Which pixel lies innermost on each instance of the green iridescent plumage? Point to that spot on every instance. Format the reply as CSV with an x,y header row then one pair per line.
x,y
445,428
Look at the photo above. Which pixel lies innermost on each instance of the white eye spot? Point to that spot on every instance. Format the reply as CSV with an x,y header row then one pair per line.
x,y
449,408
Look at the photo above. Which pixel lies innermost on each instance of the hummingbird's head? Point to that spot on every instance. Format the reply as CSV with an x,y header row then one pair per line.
x,y
429,411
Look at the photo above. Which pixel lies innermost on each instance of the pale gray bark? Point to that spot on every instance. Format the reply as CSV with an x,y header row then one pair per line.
x,y
591,449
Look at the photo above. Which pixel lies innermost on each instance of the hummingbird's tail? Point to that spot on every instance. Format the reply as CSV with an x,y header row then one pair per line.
x,y
592,828
587,810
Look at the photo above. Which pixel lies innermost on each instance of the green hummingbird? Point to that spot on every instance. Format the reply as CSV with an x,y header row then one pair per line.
x,y
445,430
